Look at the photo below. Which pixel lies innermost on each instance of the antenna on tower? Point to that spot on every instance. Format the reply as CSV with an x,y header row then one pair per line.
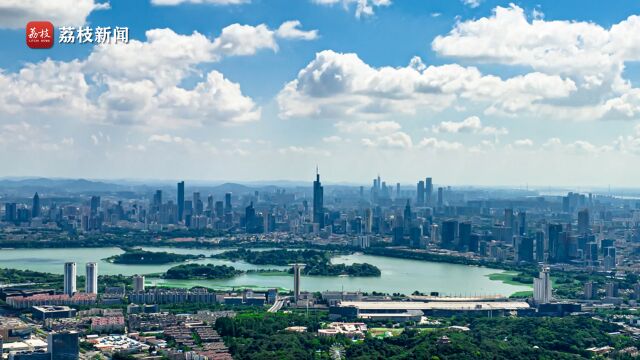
x,y
317,172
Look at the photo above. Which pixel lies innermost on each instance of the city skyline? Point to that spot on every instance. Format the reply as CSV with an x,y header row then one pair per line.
x,y
266,91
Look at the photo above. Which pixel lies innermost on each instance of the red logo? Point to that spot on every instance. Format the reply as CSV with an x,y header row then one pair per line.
x,y
39,34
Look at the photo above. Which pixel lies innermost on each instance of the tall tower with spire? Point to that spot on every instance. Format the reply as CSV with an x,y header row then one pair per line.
x,y
318,201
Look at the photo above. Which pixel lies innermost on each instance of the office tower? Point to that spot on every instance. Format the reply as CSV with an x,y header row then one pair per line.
x,y
318,202
609,258
368,221
415,237
157,198
94,205
508,218
540,248
297,270
583,221
63,345
210,205
522,223
181,201
227,203
524,249
91,281
138,283
69,278
440,197
398,233
448,233
420,197
464,236
408,216
428,192
219,209
435,234
198,206
250,219
29,355
35,206
474,243
612,289
553,243
397,190
361,192
542,287
590,291
10,212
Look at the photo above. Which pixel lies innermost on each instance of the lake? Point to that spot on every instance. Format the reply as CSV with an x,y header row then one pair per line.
x,y
398,275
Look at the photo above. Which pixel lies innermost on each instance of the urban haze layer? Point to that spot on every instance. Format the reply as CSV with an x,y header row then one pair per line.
x,y
130,270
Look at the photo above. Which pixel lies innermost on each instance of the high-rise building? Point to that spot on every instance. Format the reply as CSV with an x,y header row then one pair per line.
x,y
219,209
94,205
318,202
448,233
440,197
540,248
297,271
181,201
464,236
138,283
522,223
612,289
91,281
63,345
583,221
542,288
10,212
553,243
420,196
435,234
590,290
508,218
69,278
35,206
524,249
198,206
428,192
228,209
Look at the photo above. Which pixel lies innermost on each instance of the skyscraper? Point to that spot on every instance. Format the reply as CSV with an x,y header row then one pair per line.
x,y
69,278
63,345
198,206
94,205
227,203
448,233
420,197
464,236
583,221
542,287
318,202
440,197
428,191
35,206
91,281
181,201
522,223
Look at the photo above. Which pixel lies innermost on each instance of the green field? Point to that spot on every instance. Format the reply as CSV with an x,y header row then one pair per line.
x,y
507,278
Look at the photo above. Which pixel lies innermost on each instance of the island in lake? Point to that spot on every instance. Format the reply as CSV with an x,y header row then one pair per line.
x,y
142,257
317,262
201,272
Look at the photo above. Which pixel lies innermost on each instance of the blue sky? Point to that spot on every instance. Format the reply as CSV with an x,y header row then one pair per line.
x,y
469,92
